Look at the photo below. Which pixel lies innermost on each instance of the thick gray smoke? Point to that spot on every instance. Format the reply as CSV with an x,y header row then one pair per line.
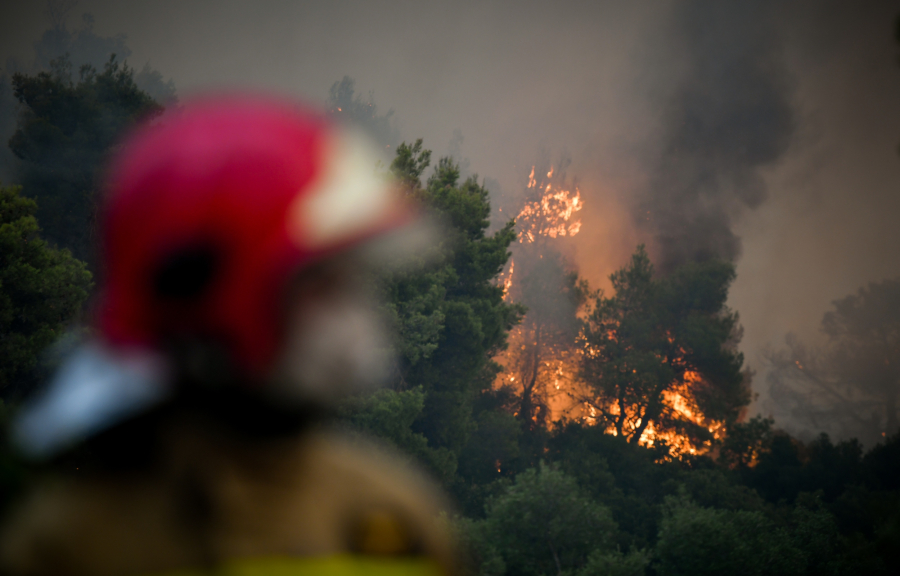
x,y
729,116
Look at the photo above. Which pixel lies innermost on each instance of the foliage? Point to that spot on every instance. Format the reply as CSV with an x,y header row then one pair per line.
x,y
623,476
8,107
652,337
615,564
64,133
496,443
745,442
849,387
41,290
453,294
696,541
544,524
451,320
389,415
82,46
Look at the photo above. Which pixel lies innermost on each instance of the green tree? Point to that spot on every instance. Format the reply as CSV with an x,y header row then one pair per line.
x,y
83,46
849,387
450,317
543,524
696,541
451,312
65,131
494,448
615,563
41,290
8,107
389,415
661,351
745,442
629,479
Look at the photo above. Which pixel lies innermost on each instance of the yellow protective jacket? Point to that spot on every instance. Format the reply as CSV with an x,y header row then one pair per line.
x,y
316,504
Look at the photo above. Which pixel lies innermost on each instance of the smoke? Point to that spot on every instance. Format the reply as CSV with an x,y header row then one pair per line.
x,y
760,132
728,117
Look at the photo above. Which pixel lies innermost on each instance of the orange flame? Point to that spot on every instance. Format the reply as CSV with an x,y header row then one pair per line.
x,y
507,283
678,400
550,215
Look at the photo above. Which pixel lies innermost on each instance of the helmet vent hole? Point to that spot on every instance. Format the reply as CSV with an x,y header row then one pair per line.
x,y
187,274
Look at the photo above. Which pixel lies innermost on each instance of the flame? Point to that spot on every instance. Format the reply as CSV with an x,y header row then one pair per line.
x,y
552,214
507,283
546,369
679,403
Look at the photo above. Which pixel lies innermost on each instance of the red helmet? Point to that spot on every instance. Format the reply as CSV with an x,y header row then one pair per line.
x,y
211,212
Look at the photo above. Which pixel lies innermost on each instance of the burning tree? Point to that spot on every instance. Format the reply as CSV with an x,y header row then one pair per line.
x,y
659,361
540,361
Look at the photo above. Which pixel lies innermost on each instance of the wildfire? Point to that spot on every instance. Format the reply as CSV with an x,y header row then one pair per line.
x,y
552,213
507,282
543,369
538,363
678,402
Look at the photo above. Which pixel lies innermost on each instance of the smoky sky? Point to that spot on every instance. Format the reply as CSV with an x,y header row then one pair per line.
x,y
729,115
765,133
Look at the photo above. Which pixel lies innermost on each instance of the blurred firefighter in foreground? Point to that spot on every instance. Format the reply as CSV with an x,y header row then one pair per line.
x,y
232,316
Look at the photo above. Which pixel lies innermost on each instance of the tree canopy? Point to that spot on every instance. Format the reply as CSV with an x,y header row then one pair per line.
x,y
448,312
543,524
41,290
65,130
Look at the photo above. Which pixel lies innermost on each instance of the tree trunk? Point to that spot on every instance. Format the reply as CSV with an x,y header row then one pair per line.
x,y
527,405
620,421
555,559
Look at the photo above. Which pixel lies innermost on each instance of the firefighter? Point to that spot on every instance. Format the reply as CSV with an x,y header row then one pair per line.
x,y
232,315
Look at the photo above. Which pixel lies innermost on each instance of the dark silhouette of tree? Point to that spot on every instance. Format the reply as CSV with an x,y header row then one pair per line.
x,y
80,46
65,130
346,105
83,46
849,387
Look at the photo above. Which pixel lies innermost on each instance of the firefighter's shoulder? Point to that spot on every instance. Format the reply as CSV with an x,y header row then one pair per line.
x,y
325,504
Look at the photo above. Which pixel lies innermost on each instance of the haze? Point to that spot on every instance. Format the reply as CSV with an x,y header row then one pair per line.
x,y
759,132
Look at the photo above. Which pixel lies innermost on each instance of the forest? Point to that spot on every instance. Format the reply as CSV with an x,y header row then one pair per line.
x,y
578,432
